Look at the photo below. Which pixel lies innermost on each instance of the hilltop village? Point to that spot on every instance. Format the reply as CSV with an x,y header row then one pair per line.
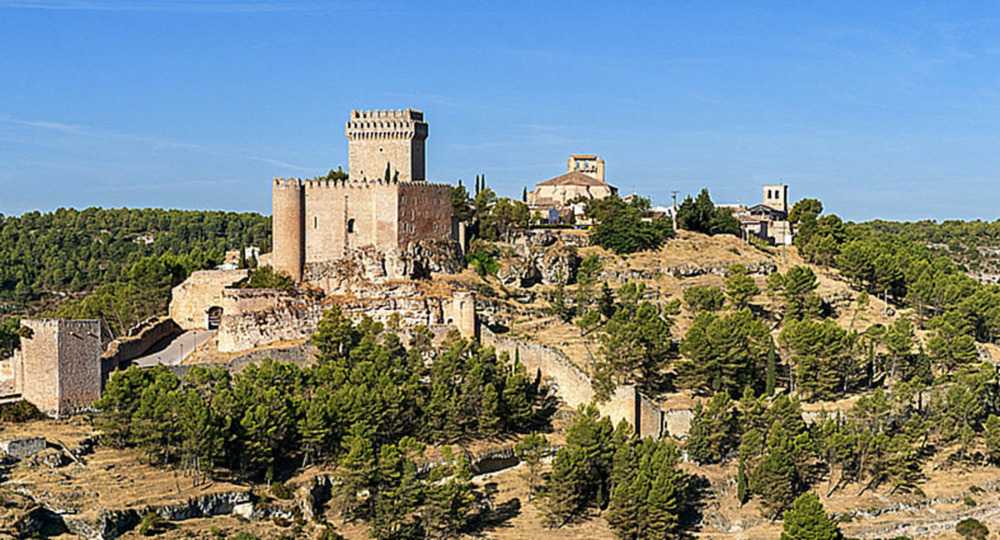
x,y
409,359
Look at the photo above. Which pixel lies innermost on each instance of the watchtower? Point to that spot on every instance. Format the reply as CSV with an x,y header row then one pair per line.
x,y
776,196
387,139
61,365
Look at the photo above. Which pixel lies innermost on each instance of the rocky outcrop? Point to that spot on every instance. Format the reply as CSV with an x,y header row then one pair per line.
x,y
539,265
110,524
292,318
759,268
371,265
518,272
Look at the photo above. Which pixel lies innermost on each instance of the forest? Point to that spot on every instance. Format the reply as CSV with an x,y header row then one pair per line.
x,y
116,265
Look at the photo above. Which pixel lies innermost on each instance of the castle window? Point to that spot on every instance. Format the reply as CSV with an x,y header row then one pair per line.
x,y
350,225
315,222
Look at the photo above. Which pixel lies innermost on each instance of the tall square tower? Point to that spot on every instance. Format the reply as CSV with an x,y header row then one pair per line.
x,y
61,365
776,196
387,139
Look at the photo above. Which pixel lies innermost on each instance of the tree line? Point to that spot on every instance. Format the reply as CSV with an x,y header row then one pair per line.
x,y
370,404
72,251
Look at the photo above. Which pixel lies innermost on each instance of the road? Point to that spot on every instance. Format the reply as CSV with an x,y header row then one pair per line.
x,y
172,352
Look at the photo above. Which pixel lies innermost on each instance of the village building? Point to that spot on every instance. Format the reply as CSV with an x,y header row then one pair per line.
x,y
584,179
768,220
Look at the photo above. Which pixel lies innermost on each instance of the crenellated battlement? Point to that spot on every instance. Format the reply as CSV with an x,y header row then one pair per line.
x,y
288,183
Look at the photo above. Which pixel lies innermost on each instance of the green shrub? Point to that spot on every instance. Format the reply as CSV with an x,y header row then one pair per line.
x,y
150,524
969,501
281,490
972,528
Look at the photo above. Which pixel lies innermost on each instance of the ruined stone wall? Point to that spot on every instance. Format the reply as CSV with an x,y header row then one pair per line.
x,y
122,350
573,385
79,365
190,300
40,365
378,138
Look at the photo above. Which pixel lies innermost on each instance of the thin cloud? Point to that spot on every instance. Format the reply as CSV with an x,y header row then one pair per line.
x,y
155,142
177,6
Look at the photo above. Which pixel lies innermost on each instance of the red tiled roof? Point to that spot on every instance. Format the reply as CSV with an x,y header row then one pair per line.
x,y
573,178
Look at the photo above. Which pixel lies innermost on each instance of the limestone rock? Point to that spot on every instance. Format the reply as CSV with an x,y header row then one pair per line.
x,y
518,272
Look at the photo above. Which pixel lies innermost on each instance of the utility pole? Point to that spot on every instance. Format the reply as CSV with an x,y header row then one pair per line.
x,y
674,213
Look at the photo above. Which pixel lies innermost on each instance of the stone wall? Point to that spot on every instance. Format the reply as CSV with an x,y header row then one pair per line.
x,y
22,448
122,350
424,211
574,387
189,301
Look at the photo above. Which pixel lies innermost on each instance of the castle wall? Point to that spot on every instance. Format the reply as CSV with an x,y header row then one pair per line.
x,y
125,349
340,216
61,365
574,387
203,289
424,212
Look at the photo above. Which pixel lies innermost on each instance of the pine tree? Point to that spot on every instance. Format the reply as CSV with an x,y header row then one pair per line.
x,y
772,371
356,473
388,172
775,480
807,520
531,450
524,194
712,437
740,287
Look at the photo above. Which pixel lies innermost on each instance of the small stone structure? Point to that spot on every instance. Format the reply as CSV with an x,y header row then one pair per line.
x,y
22,448
60,365
385,202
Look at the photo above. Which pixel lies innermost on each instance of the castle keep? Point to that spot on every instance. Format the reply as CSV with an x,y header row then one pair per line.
x,y
385,202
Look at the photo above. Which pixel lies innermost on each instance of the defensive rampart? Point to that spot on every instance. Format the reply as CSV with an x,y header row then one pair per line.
x,y
122,350
574,386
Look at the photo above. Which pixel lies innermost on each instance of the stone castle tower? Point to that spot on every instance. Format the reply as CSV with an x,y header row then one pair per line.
x,y
60,365
316,221
393,140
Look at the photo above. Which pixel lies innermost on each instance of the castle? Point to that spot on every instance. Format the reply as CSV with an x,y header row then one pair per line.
x,y
385,202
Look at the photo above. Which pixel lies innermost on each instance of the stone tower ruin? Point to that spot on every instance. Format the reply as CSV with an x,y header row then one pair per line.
x,y
320,220
60,371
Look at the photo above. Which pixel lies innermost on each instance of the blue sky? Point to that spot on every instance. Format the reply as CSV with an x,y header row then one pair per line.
x,y
880,109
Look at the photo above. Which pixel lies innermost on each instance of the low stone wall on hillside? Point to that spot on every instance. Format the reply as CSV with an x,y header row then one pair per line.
x,y
574,387
123,350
